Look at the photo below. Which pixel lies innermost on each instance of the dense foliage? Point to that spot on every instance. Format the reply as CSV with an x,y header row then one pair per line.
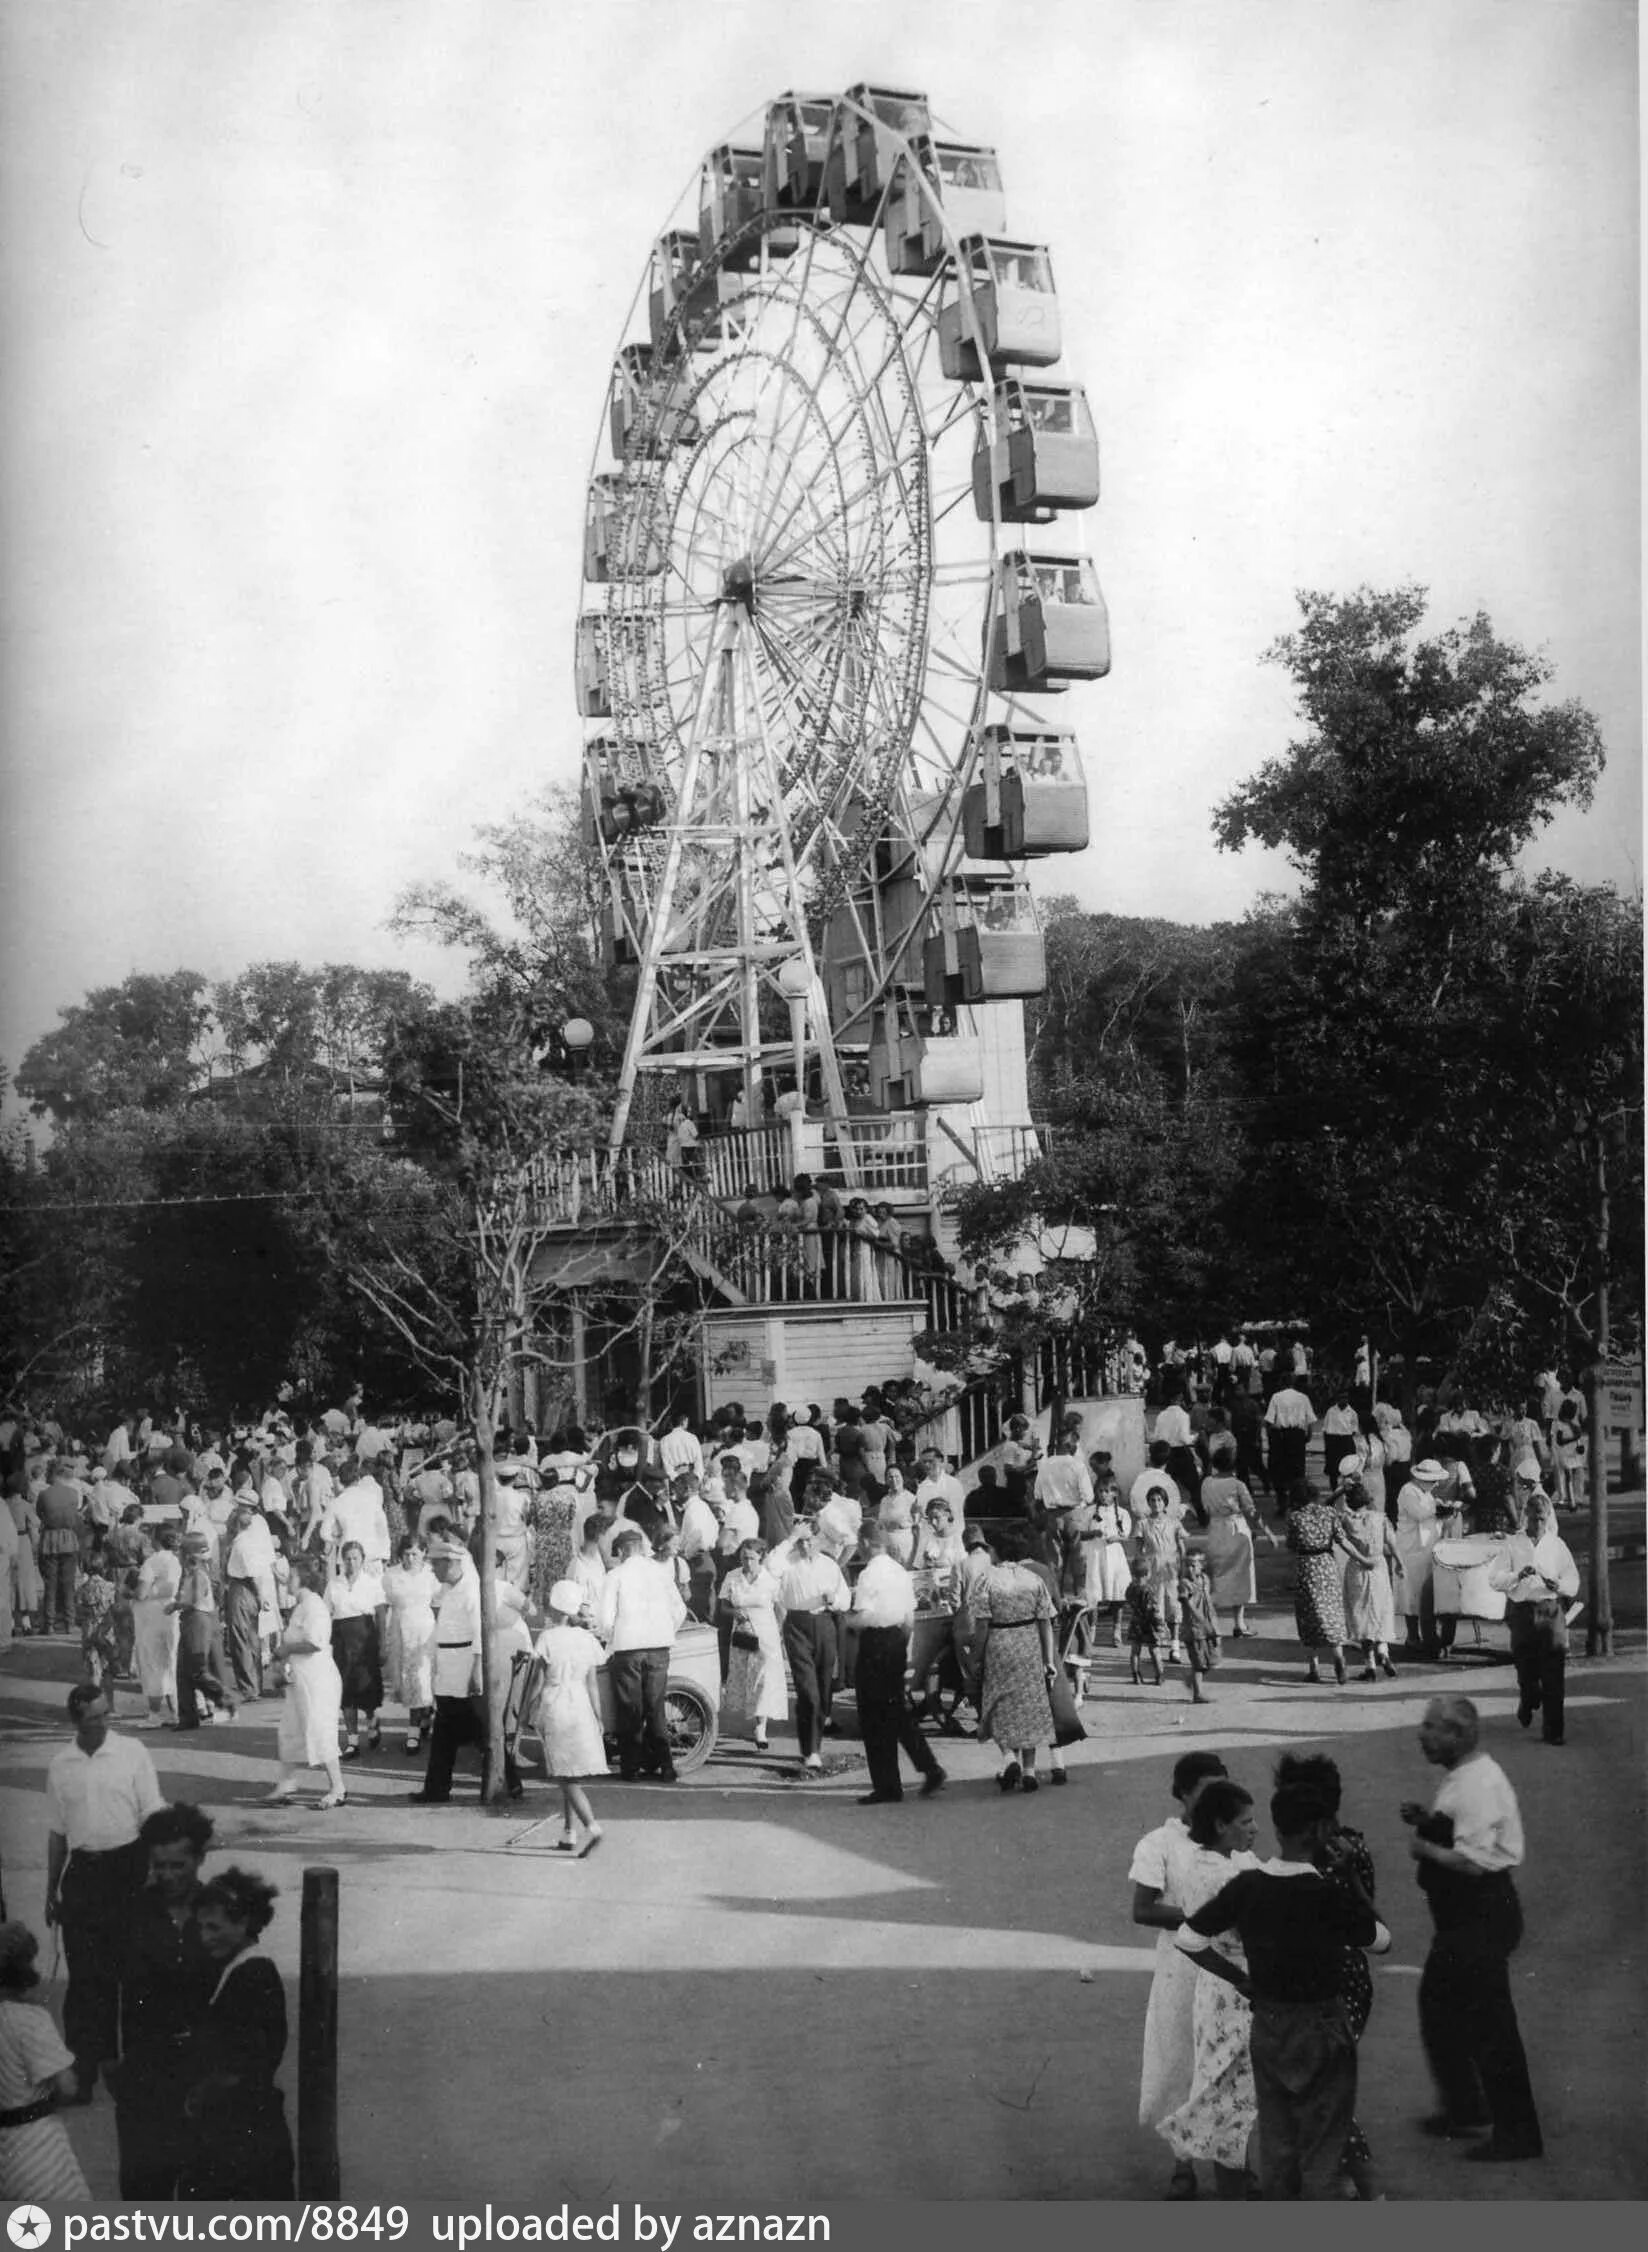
x,y
1401,1102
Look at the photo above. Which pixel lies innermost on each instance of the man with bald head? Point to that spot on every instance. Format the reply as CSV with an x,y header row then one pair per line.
x,y
1466,1848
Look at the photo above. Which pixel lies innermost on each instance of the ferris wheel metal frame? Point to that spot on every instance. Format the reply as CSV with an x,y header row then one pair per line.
x,y
800,591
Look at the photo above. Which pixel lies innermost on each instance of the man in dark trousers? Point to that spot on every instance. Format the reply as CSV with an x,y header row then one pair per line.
x,y
99,1793
1294,1928
457,1668
884,1601
640,1609
1466,1848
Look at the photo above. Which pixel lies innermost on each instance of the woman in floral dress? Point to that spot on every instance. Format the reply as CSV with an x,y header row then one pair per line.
x,y
551,1516
1319,1578
1013,1613
1218,2117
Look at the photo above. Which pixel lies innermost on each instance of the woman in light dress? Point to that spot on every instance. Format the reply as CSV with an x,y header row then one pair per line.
x,y
11,1541
313,1704
36,2073
409,1638
1217,2118
154,1623
565,1698
1417,1533
895,1515
1231,1519
755,1692
27,1588
1369,1544
1161,1863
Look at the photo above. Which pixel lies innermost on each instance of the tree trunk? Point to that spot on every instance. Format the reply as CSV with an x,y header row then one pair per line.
x,y
643,1381
482,1409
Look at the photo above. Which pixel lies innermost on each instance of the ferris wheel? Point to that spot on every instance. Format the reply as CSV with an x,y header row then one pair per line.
x,y
827,586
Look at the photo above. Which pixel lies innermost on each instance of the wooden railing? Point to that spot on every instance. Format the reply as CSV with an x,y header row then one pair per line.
x,y
1069,1366
972,1421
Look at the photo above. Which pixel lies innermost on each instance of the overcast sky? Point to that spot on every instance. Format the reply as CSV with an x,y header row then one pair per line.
x,y
308,311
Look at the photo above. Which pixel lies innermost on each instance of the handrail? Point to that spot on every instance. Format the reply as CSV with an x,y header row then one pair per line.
x,y
975,1416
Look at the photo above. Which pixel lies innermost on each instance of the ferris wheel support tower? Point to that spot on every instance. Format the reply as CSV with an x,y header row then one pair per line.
x,y
729,840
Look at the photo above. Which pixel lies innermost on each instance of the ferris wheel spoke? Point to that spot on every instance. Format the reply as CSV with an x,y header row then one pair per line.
x,y
888,473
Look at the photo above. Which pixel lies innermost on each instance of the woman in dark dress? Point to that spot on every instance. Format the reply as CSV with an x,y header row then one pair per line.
x,y
1347,1864
238,2144
163,1995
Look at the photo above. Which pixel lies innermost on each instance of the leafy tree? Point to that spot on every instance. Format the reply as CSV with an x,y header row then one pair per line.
x,y
140,1045
537,962
1370,1017
307,1041
1426,767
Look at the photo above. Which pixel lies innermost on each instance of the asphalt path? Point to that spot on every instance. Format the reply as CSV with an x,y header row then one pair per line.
x,y
759,1993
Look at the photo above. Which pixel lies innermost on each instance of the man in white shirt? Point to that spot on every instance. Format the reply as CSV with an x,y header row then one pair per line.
x,y
457,1669
884,1601
1173,1426
740,1521
99,1793
640,1610
1155,1482
1339,1428
678,1450
1063,1480
700,1531
1538,1576
939,1484
805,1442
356,1513
1466,1848
1288,1419
812,1592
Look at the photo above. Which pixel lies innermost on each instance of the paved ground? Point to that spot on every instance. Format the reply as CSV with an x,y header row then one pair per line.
x,y
758,1992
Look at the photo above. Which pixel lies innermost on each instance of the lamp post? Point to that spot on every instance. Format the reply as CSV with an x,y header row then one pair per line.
x,y
577,1038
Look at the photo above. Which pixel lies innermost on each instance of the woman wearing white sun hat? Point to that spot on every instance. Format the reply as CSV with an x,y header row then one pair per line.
x,y
1416,1536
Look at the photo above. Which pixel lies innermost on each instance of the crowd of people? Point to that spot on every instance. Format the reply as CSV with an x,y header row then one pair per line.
x,y
334,1564
1262,1990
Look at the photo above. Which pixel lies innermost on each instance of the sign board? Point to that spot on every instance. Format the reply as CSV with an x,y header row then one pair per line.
x,y
1622,1395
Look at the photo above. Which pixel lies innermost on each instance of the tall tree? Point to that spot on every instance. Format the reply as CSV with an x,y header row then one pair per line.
x,y
1369,1013
140,1045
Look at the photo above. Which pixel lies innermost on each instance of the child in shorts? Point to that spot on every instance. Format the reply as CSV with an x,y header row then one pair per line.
x,y
1143,1615
1198,1623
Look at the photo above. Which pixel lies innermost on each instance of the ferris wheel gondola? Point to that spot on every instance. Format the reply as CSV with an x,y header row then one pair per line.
x,y
805,639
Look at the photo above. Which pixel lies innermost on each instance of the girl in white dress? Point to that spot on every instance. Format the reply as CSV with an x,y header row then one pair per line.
x,y
410,1636
313,1703
155,1624
565,1661
1217,2119
755,1691
1161,1863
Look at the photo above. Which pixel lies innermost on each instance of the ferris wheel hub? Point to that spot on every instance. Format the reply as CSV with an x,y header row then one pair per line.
x,y
738,583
